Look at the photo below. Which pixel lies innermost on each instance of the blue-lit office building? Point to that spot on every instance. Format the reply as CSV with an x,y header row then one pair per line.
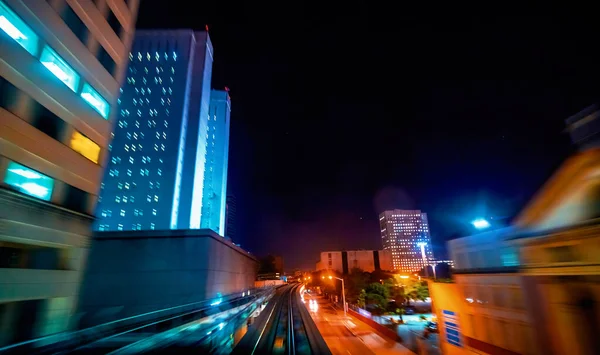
x,y
217,152
167,166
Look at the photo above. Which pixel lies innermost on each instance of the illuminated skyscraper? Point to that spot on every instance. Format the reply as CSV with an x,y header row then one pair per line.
x,y
60,72
215,173
156,175
406,234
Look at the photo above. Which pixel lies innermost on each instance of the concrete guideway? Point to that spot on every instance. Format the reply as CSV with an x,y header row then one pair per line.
x,y
284,327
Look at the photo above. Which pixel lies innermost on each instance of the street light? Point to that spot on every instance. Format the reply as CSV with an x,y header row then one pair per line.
x,y
343,293
425,264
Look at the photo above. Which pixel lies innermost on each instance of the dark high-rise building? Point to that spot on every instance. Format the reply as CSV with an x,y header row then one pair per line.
x,y
230,216
157,175
217,153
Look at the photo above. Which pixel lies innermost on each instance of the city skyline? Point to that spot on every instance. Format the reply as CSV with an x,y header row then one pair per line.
x,y
420,128
440,181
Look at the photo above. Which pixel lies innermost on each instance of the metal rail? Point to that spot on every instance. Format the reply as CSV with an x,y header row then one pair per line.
x,y
288,329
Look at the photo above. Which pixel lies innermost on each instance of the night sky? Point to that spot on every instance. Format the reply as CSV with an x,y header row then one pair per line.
x,y
341,112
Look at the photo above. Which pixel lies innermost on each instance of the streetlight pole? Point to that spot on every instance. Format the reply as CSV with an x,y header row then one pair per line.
x,y
343,294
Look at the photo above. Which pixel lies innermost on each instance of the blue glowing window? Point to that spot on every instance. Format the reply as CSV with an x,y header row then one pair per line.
x,y
92,97
29,181
13,26
57,66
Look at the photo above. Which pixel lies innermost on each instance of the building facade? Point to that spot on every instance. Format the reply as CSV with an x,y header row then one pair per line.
x,y
345,261
217,157
405,233
60,73
533,288
157,171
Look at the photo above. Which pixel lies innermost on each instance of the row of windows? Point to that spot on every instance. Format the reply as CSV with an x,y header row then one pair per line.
x,y
157,57
106,212
28,109
16,29
134,226
33,183
129,172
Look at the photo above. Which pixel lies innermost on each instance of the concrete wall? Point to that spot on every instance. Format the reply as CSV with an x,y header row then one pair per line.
x,y
140,271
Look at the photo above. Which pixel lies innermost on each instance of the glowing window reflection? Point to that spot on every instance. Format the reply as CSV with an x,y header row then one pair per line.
x,y
57,66
29,181
92,97
85,146
13,26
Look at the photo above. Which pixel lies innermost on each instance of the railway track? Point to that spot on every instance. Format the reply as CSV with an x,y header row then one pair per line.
x,y
286,328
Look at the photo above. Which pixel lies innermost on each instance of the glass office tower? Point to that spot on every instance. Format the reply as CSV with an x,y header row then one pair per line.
x,y
217,152
157,171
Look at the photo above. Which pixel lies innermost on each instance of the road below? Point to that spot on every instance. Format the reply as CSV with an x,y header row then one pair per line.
x,y
350,336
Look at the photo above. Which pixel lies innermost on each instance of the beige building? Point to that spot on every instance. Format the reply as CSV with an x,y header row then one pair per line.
x,y
345,261
533,288
61,64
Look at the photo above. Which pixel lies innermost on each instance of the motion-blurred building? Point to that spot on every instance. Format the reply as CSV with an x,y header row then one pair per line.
x,y
60,72
532,288
405,233
167,139
345,261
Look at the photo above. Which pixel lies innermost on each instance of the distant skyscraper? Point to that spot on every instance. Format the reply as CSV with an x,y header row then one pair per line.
x,y
217,153
406,234
155,176
61,65
231,218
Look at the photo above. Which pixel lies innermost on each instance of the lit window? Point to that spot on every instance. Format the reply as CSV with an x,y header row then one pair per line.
x,y
13,26
57,66
85,146
97,102
29,181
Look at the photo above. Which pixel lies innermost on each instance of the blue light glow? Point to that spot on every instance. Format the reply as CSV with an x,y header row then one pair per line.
x,y
95,100
57,66
481,223
13,26
29,181
217,302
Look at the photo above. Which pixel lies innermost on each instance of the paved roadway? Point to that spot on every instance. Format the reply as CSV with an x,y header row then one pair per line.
x,y
340,340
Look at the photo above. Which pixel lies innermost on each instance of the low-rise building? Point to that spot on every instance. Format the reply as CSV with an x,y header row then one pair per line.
x,y
534,287
345,261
